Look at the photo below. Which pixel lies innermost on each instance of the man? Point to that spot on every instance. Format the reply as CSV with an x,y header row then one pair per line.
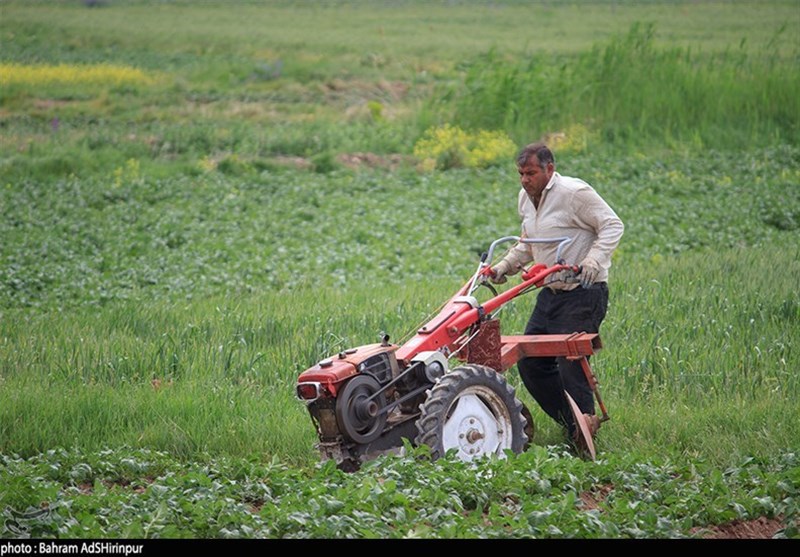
x,y
554,206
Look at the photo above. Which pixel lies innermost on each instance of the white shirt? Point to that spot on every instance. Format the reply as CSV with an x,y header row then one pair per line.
x,y
569,207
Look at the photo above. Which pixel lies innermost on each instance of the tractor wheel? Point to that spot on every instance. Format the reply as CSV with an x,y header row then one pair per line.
x,y
474,411
358,417
529,428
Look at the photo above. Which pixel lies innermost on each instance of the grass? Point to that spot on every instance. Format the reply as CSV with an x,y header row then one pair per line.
x,y
338,35
630,91
179,244
315,80
698,361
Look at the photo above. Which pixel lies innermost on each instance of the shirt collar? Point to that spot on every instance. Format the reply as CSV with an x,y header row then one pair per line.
x,y
552,181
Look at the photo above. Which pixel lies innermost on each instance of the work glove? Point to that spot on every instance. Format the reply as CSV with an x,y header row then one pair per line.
x,y
497,274
590,270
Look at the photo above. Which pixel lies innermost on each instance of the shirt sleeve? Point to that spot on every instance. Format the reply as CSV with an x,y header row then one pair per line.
x,y
595,214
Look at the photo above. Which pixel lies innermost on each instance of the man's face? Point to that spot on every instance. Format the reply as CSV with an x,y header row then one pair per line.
x,y
533,177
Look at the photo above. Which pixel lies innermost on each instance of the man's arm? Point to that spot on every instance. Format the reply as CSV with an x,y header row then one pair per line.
x,y
513,262
594,213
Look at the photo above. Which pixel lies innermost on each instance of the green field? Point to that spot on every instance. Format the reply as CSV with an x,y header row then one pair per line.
x,y
199,200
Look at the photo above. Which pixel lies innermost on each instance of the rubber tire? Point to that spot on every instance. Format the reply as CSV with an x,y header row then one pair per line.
x,y
530,429
462,380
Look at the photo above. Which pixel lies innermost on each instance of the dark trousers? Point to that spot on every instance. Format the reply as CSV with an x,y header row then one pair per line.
x,y
576,311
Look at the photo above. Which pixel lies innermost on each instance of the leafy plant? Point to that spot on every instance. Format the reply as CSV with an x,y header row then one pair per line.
x,y
539,494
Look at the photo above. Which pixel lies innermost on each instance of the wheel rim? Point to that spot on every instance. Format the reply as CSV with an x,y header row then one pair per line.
x,y
478,423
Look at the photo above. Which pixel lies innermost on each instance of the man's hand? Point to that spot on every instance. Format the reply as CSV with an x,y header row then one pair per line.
x,y
496,274
590,270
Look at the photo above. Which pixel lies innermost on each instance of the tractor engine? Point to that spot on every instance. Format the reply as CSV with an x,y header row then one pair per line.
x,y
363,400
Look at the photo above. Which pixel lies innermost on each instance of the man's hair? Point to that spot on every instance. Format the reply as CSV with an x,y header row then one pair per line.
x,y
541,151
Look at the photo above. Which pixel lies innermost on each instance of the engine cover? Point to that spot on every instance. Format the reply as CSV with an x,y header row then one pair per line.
x,y
326,377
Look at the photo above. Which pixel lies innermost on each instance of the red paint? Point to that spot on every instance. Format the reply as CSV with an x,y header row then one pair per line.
x,y
341,367
457,317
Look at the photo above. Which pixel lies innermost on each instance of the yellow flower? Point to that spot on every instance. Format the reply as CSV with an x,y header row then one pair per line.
x,y
449,147
207,164
97,74
574,139
130,173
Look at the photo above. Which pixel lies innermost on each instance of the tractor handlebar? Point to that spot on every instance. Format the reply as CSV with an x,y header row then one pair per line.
x,y
562,242
486,258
